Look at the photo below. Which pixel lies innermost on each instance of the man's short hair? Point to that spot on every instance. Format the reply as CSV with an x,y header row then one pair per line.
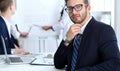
x,y
85,1
4,4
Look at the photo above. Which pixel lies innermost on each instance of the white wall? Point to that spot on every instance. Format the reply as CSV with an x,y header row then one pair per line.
x,y
117,19
38,12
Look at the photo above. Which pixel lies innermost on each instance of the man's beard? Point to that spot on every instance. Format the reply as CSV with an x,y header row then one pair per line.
x,y
82,18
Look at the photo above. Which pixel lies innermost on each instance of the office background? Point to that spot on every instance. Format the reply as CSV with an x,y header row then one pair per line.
x,y
37,13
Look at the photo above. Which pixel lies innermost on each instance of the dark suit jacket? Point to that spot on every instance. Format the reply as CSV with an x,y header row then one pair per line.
x,y
98,50
4,33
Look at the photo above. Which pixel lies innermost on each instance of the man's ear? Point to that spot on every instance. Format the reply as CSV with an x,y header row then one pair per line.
x,y
10,7
89,7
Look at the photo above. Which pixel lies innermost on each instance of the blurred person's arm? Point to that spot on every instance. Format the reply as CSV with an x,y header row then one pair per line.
x,y
23,34
19,50
47,27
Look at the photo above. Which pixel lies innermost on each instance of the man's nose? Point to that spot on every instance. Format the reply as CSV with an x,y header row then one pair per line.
x,y
74,11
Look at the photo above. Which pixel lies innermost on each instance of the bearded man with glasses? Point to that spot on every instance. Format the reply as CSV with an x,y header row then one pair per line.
x,y
96,48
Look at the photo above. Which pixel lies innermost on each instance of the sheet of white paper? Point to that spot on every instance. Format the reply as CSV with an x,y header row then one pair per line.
x,y
42,60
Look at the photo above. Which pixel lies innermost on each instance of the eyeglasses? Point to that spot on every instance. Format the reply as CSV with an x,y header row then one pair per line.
x,y
77,7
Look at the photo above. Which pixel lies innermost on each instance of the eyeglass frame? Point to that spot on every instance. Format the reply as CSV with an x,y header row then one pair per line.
x,y
75,7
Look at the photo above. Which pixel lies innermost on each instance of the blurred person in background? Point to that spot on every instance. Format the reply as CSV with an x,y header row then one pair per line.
x,y
7,9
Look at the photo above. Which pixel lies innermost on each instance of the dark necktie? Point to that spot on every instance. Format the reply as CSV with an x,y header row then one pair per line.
x,y
17,27
76,45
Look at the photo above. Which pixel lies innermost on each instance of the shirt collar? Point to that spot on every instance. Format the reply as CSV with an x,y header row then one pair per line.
x,y
83,27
